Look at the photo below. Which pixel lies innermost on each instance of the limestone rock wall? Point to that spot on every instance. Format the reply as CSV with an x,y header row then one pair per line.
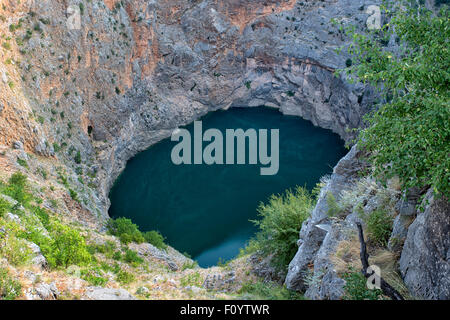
x,y
134,70
424,262
88,99
419,247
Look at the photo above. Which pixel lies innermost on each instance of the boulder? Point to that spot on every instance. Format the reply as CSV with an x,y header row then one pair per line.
x,y
45,291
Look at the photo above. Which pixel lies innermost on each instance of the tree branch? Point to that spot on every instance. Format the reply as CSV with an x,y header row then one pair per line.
x,y
384,286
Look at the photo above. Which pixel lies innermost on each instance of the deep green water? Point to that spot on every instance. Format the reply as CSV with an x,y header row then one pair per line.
x,y
205,210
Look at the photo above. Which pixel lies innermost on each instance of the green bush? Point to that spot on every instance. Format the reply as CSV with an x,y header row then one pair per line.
x,y
77,157
68,247
117,256
63,248
41,214
18,188
333,207
408,135
22,162
124,277
107,248
132,257
126,230
74,195
10,289
280,223
192,279
94,277
4,207
356,287
155,238
189,265
16,251
379,226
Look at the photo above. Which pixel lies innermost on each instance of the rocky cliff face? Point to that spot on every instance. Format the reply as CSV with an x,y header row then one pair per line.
x,y
79,102
135,70
418,247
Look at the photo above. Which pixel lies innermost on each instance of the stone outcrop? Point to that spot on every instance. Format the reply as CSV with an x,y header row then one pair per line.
x,y
422,239
99,293
319,236
424,262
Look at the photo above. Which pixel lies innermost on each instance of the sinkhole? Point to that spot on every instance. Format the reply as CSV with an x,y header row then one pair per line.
x,y
204,210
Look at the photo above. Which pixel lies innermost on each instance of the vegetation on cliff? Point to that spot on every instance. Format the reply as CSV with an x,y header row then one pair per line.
x,y
408,133
279,225
45,254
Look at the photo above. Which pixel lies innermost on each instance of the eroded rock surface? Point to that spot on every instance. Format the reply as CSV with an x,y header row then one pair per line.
x,y
318,235
135,70
99,293
424,262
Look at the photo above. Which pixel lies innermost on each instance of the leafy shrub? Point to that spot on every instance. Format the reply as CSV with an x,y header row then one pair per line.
x,y
333,206
408,135
18,188
117,256
132,257
107,248
94,277
56,147
189,265
41,214
356,287
77,157
155,238
10,289
65,246
16,251
379,226
192,279
281,220
74,195
126,230
22,162
4,207
124,277
68,247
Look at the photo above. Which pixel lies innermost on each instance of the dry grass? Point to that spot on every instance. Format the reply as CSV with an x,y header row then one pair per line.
x,y
347,257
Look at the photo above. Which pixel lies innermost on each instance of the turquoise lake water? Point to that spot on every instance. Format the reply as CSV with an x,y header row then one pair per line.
x,y
205,210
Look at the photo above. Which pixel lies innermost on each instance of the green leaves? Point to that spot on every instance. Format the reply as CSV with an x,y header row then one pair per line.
x,y
18,188
66,246
409,135
10,288
281,220
128,232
